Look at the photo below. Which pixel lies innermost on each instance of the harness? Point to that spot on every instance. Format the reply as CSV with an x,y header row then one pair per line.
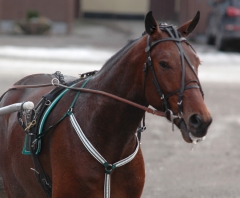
x,y
35,138
43,178
108,167
31,123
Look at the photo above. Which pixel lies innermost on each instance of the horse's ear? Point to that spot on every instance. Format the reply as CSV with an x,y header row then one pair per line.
x,y
151,24
189,26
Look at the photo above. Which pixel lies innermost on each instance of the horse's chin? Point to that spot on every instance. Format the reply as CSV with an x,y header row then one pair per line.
x,y
187,135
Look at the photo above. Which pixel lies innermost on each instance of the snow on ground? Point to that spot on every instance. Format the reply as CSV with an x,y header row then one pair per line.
x,y
86,54
216,66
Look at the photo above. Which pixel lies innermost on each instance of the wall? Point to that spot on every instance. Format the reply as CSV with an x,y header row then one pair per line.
x,y
118,7
189,8
61,11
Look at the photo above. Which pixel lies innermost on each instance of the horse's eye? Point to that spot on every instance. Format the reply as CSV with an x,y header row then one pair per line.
x,y
164,65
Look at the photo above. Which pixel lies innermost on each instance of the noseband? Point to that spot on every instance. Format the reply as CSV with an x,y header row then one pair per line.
x,y
177,39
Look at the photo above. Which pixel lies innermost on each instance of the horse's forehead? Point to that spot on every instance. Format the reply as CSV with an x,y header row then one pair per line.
x,y
188,49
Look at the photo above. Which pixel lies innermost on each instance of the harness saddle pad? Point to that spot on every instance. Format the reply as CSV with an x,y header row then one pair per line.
x,y
27,144
42,119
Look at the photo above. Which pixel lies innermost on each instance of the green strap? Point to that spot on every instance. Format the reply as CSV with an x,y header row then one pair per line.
x,y
78,93
65,115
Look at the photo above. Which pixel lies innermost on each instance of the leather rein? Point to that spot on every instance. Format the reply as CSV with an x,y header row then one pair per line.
x,y
55,82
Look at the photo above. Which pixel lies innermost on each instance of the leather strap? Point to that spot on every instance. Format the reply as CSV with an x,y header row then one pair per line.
x,y
149,110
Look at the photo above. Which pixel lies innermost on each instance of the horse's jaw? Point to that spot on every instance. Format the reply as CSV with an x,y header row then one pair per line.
x,y
187,135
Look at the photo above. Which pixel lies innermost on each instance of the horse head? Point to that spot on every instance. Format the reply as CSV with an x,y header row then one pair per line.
x,y
172,84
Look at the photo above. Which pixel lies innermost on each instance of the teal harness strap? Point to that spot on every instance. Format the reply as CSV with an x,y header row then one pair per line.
x,y
42,133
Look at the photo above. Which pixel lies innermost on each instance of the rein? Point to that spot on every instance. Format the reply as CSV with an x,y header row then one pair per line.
x,y
149,110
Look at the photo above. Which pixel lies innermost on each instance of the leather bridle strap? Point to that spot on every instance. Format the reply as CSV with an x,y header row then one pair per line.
x,y
184,54
186,88
162,40
156,83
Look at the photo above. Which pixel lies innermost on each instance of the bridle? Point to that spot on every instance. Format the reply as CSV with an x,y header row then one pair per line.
x,y
177,39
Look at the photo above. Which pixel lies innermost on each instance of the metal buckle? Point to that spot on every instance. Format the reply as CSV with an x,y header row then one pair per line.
x,y
147,48
162,97
179,103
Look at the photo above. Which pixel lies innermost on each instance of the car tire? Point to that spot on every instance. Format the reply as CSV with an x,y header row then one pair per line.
x,y
220,43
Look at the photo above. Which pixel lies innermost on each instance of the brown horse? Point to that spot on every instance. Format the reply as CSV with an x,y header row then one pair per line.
x,y
158,69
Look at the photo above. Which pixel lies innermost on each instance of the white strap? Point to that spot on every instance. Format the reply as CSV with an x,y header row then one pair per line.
x,y
85,141
107,185
99,157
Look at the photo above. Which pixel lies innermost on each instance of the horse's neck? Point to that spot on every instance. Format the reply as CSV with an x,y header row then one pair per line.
x,y
114,123
124,79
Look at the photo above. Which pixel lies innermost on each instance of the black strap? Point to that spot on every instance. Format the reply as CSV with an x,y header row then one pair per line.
x,y
141,128
155,81
42,178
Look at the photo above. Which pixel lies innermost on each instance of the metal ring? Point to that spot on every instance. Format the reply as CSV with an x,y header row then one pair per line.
x,y
180,114
48,102
55,79
109,168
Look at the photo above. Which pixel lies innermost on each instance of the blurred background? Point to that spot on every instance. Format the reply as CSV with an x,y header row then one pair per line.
x,y
63,13
76,36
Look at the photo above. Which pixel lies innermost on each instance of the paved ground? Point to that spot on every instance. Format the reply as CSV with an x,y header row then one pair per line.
x,y
173,170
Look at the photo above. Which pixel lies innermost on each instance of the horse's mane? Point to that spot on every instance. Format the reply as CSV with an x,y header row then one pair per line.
x,y
116,57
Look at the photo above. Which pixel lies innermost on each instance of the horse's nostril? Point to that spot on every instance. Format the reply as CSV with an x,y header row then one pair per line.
x,y
195,120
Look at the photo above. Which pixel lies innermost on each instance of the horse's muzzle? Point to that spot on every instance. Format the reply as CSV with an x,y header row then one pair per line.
x,y
196,129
